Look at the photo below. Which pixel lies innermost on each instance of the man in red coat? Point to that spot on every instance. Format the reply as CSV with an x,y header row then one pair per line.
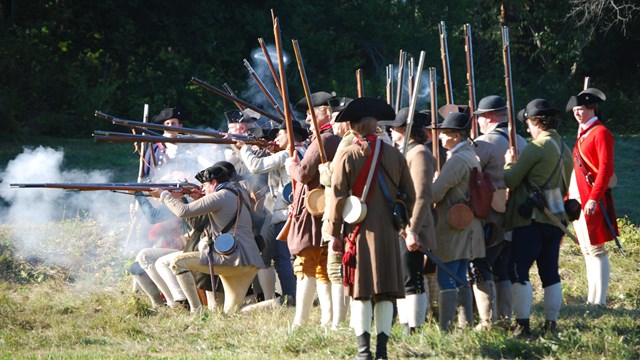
x,y
591,183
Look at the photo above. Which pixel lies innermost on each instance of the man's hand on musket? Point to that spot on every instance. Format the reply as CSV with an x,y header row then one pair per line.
x,y
239,144
155,193
508,156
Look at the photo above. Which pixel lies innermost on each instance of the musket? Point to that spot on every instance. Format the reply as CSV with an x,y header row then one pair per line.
x,y
146,125
506,56
134,207
434,117
468,49
230,91
401,61
410,76
182,187
267,58
446,69
389,84
307,95
107,136
587,82
264,89
142,147
288,114
359,83
234,99
413,103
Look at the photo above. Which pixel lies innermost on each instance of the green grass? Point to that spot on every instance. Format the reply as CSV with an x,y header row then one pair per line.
x,y
83,308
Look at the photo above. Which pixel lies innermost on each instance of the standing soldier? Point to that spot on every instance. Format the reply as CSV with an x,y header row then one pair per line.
x,y
492,287
163,152
534,210
373,271
305,238
412,310
591,183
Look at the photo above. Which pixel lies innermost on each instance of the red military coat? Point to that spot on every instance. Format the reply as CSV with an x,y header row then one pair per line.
x,y
594,150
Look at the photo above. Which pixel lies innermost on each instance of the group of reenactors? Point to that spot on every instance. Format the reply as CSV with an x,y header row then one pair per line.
x,y
357,214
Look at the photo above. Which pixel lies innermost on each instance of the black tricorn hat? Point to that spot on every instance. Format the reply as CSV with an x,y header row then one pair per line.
x,y
537,107
453,108
338,103
490,103
297,129
237,116
419,119
222,171
364,107
586,97
169,113
317,99
455,121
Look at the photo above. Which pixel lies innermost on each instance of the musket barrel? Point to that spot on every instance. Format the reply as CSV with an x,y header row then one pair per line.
x,y
230,91
146,125
446,69
434,116
509,90
468,46
262,87
234,99
401,62
412,105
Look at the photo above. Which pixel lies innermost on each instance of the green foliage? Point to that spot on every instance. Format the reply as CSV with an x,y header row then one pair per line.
x,y
63,60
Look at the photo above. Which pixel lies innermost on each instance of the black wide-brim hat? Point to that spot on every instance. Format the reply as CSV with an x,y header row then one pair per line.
x,y
297,129
366,107
586,97
458,121
490,103
317,99
169,113
222,171
537,107
237,116
419,119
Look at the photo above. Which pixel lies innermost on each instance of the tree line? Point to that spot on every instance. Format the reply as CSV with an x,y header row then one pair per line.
x,y
60,60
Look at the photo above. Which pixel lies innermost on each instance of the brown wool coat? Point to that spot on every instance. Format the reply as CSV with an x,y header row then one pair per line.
x,y
452,187
378,264
306,229
422,165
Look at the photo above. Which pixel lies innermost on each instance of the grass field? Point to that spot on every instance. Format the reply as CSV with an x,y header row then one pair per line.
x,y
83,307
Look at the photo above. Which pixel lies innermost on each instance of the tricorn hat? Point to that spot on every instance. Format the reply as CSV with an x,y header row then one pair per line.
x,y
222,171
169,113
317,99
490,103
449,108
419,119
455,121
237,116
537,107
338,103
297,129
364,107
586,97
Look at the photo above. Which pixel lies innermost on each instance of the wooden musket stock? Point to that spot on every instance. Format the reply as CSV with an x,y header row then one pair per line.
x,y
446,69
468,49
506,56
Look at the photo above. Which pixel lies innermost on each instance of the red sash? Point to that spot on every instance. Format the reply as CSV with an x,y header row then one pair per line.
x,y
349,257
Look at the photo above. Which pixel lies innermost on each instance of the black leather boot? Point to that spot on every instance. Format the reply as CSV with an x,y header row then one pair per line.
x,y
364,347
381,345
522,329
550,328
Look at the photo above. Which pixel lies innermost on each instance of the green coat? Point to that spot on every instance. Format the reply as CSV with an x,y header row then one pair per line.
x,y
536,162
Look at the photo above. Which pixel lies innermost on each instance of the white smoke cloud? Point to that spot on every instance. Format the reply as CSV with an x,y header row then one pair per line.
x,y
32,210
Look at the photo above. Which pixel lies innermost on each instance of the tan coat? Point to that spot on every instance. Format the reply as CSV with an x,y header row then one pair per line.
x,y
452,187
490,149
422,166
306,229
378,264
